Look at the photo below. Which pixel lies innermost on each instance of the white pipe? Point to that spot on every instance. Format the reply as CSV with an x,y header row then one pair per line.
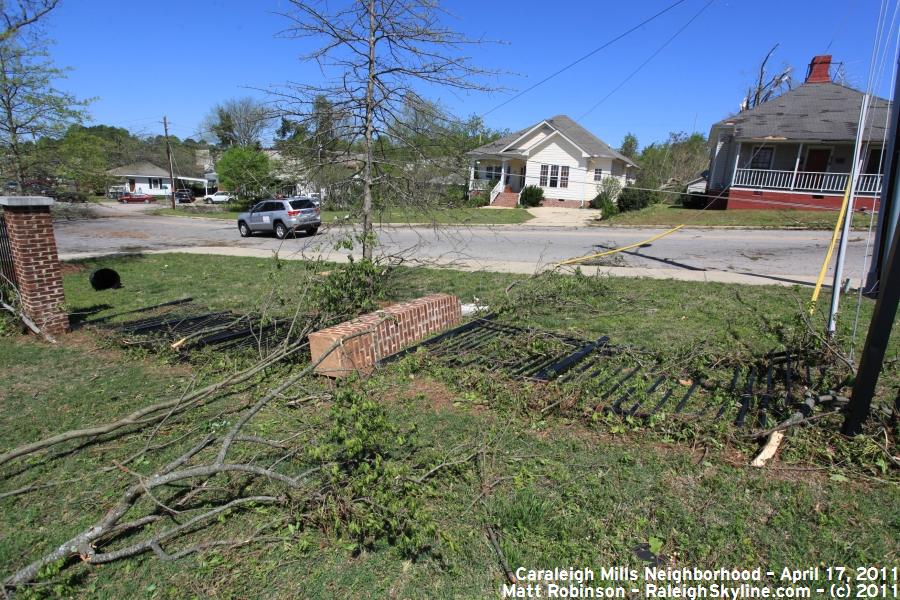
x,y
855,168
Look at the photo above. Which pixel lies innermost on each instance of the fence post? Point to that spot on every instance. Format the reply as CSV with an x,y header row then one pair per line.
x,y
35,261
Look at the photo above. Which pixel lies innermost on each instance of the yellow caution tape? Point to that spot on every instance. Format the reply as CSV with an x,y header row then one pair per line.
x,y
622,249
834,238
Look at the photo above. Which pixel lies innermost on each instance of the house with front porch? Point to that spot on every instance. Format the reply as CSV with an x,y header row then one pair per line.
x,y
796,150
146,178
557,154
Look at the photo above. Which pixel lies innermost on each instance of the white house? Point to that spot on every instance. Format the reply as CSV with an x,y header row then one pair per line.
x,y
556,154
146,178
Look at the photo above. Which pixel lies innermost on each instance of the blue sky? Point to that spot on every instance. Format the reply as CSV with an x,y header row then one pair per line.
x,y
142,60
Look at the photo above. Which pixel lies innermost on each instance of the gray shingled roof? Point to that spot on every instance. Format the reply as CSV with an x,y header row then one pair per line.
x,y
583,138
139,169
813,111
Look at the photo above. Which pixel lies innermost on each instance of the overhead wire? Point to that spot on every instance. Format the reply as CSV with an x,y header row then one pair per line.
x,y
649,58
867,255
584,57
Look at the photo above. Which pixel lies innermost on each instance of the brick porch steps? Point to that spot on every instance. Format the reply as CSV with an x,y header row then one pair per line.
x,y
506,199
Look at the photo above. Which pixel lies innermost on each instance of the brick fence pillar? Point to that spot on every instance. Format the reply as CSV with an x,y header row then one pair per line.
x,y
38,274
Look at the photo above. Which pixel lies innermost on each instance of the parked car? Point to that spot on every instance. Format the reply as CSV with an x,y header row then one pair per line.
x,y
283,217
184,197
129,197
218,198
115,192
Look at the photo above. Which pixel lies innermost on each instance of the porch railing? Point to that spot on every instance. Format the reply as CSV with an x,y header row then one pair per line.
x,y
804,181
496,191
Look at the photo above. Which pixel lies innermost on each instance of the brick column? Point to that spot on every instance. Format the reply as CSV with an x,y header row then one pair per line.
x,y
374,336
38,273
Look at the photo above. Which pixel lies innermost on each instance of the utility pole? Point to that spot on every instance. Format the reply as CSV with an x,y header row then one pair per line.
x,y
872,356
169,156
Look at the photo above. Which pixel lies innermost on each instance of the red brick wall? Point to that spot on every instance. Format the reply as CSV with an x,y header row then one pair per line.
x,y
37,267
381,333
748,199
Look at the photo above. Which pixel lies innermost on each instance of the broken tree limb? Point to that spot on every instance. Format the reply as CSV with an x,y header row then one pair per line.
x,y
495,544
106,530
150,414
769,449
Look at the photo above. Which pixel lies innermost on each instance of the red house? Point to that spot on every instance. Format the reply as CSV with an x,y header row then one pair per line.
x,y
795,151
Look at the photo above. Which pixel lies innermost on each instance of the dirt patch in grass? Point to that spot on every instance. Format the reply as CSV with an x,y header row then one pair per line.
x,y
68,268
435,393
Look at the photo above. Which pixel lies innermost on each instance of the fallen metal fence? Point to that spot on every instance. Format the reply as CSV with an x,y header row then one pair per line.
x,y
7,266
609,382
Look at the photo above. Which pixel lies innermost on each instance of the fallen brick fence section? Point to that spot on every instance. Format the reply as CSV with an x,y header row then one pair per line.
x,y
379,334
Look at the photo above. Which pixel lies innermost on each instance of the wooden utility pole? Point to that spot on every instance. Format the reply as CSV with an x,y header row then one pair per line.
x,y
169,156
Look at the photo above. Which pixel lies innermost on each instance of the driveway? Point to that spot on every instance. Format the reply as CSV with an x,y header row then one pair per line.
x,y
550,216
739,256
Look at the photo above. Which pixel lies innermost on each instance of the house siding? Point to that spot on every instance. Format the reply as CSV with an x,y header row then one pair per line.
x,y
142,186
558,151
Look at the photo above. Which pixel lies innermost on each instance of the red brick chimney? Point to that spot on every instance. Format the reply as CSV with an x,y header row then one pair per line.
x,y
819,69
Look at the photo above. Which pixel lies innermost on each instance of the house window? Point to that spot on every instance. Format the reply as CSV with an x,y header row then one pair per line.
x,y
543,182
762,157
554,175
155,183
598,174
564,176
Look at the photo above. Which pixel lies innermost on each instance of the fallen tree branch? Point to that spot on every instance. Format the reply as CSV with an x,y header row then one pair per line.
x,y
148,414
769,449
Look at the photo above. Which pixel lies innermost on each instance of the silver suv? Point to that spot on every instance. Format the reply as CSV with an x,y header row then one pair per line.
x,y
284,217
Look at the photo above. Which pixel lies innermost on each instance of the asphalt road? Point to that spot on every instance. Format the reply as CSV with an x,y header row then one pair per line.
x,y
780,255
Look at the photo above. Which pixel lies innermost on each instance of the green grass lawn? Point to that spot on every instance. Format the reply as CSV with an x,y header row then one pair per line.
x,y
665,215
445,216
560,491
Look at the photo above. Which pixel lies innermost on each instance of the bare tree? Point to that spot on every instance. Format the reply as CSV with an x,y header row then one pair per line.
x,y
237,122
766,88
373,54
23,13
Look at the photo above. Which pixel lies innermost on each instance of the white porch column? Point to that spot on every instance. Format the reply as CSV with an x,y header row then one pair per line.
x,y
796,165
504,169
471,174
737,160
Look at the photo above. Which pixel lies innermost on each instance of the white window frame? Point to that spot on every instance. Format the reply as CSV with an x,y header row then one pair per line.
x,y
756,150
598,173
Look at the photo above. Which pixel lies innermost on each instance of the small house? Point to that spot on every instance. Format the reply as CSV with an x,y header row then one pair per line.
x,y
795,151
557,154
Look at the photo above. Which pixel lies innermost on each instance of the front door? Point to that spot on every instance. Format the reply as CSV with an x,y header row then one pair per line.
x,y
817,160
131,185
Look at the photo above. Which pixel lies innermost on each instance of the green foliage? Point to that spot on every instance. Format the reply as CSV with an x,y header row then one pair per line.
x,y
245,171
370,495
673,162
605,200
629,146
531,196
350,289
634,198
33,107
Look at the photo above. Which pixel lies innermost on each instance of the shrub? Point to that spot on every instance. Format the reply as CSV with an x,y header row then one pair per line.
x,y
633,198
607,193
531,196
370,494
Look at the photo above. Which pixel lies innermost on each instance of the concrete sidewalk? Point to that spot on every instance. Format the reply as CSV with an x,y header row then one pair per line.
x,y
524,268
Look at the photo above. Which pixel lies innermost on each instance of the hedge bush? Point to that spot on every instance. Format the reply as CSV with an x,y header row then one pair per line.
x,y
635,199
531,196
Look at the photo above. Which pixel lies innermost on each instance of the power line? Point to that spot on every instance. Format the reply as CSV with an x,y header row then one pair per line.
x,y
584,57
649,58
